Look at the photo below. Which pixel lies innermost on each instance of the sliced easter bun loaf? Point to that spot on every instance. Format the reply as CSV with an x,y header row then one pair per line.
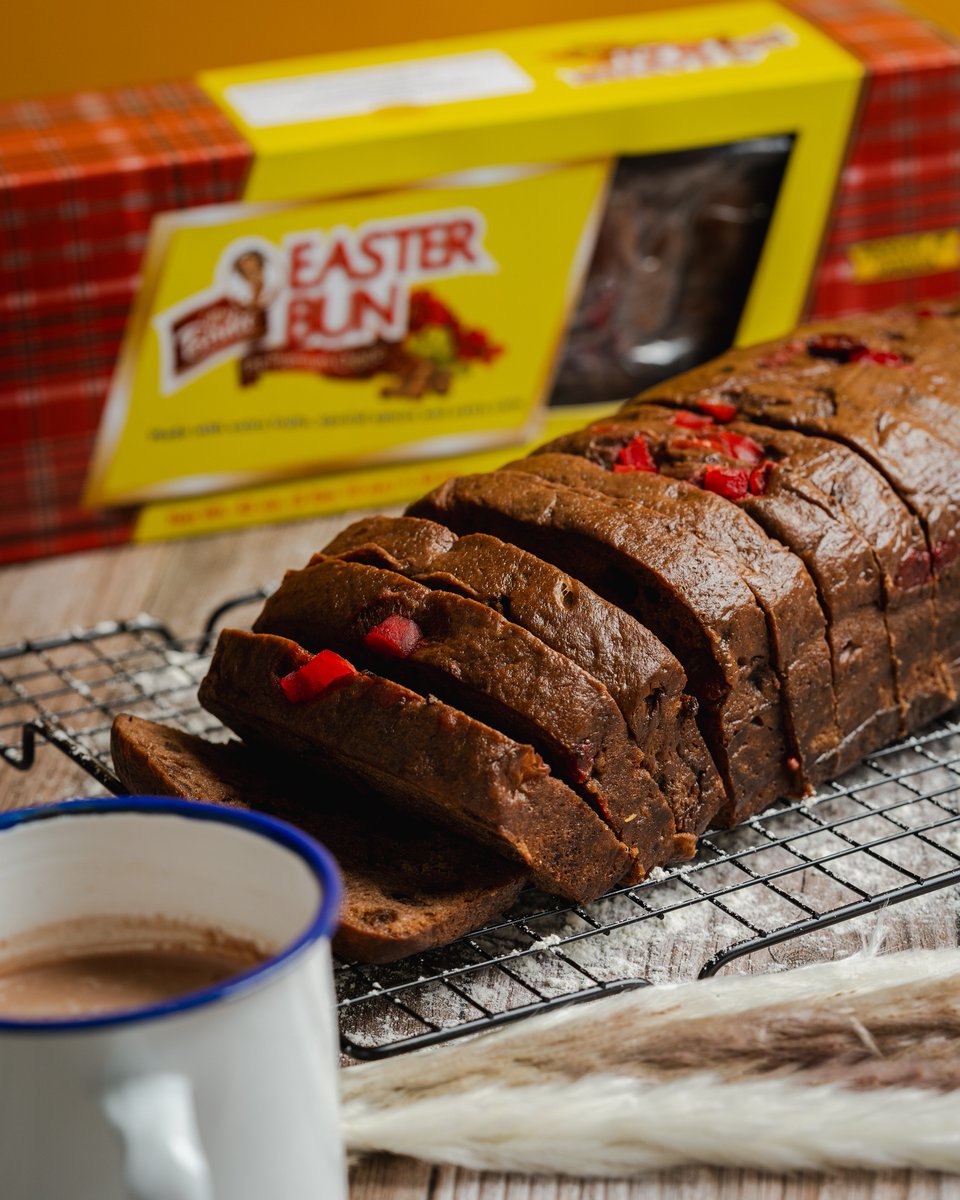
x,y
641,674
672,583
882,385
471,657
778,580
424,757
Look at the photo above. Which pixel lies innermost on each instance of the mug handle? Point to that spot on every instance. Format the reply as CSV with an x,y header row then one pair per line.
x,y
163,1155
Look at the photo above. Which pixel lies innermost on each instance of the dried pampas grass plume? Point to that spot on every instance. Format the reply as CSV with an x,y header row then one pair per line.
x,y
848,1064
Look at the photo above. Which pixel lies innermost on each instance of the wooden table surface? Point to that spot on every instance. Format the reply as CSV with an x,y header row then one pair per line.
x,y
180,583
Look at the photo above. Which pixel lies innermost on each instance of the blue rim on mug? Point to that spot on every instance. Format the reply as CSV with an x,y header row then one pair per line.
x,y
318,859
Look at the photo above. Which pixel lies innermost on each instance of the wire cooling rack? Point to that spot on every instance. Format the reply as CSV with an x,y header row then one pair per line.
x,y
887,832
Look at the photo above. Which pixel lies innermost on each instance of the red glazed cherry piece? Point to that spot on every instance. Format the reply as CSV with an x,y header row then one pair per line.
x,y
758,479
729,482
690,420
943,553
707,441
840,347
396,636
883,358
315,676
583,760
720,410
915,570
635,456
783,355
741,447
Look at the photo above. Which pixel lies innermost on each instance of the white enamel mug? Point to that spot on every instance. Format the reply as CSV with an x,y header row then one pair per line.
x,y
224,1094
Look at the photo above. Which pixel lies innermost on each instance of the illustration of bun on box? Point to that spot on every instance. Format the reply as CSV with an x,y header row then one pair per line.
x,y
423,362
339,305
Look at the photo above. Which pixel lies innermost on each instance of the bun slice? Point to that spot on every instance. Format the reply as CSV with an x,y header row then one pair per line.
x,y
671,582
643,677
408,886
422,756
474,659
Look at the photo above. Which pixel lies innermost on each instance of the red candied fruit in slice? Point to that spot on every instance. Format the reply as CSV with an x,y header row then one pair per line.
x,y
583,759
730,482
883,358
840,347
395,636
759,477
741,447
783,356
635,456
915,570
707,441
315,676
943,553
732,445
686,419
720,410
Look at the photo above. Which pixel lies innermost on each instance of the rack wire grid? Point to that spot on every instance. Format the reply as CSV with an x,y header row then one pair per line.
x,y
887,832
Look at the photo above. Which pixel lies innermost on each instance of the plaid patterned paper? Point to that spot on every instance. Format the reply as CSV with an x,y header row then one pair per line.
x,y
28,414
81,178
54,348
41,482
902,175
46,439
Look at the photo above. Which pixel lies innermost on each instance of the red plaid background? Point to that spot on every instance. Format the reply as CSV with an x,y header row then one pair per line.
x,y
81,179
902,174
43,479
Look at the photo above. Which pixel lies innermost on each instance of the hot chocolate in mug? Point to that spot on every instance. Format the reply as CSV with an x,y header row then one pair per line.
x,y
223,1093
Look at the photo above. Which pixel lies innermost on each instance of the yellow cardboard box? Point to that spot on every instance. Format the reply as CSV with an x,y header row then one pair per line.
x,y
417,229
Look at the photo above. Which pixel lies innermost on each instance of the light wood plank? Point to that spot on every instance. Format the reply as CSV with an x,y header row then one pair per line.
x,y
454,1183
199,574
79,589
384,1177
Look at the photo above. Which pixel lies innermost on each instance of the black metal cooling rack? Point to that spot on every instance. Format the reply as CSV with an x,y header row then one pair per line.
x,y
887,832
